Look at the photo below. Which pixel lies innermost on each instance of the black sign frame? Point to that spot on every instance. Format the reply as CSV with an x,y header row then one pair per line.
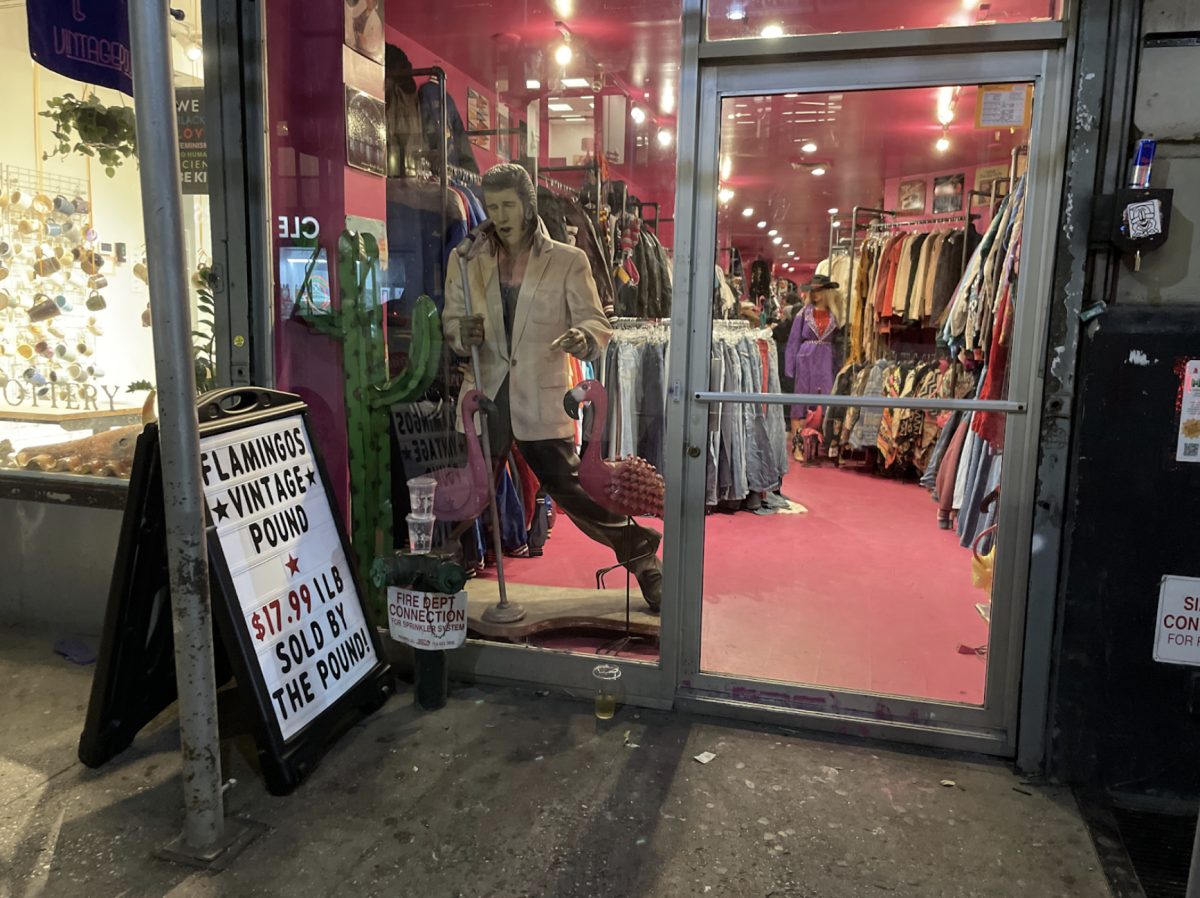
x,y
118,709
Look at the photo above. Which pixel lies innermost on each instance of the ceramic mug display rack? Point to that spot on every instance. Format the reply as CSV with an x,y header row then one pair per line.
x,y
53,281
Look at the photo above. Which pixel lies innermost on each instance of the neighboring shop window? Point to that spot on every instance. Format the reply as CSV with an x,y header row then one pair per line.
x,y
734,19
76,358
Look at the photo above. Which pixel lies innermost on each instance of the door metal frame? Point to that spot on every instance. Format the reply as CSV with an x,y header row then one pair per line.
x,y
991,728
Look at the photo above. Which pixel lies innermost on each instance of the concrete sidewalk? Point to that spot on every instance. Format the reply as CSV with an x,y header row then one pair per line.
x,y
510,793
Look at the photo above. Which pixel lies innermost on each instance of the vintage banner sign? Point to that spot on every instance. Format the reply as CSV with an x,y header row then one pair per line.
x,y
290,576
83,40
427,620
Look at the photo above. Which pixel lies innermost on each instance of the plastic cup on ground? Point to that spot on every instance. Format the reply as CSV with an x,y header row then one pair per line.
x,y
608,689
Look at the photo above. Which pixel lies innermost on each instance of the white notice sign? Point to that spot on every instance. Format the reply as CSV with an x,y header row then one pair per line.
x,y
1003,106
1177,629
291,578
1188,445
427,620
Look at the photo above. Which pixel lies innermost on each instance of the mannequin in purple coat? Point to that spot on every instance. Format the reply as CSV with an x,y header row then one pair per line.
x,y
809,358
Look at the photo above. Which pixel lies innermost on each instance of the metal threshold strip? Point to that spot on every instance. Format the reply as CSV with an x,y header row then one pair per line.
x,y
1002,406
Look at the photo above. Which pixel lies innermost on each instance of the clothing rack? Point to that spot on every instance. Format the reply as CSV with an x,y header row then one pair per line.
x,y
593,166
624,322
558,186
438,74
965,218
465,176
657,209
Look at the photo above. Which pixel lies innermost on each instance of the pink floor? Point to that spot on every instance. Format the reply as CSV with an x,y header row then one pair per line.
x,y
862,593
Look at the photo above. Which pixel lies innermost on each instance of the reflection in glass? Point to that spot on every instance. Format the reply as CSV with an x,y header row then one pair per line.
x,y
741,19
586,104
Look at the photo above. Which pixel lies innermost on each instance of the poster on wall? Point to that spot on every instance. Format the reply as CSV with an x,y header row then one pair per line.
x,y
479,118
985,177
948,193
912,196
193,140
364,28
504,140
366,132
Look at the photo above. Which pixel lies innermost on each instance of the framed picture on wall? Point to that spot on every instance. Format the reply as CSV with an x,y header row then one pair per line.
x,y
504,140
479,118
366,132
948,193
912,196
364,28
985,177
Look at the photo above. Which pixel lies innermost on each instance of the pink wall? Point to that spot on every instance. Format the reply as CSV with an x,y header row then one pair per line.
x,y
309,177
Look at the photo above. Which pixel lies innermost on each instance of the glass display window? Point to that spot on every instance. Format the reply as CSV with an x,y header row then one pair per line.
x,y
76,356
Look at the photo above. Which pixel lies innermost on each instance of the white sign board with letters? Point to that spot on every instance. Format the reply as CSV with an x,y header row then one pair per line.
x,y
291,578
1177,627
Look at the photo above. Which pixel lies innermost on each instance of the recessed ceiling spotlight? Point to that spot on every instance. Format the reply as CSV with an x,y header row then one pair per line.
x,y
761,225
772,232
748,211
818,171
808,147
563,54
833,211
791,252
638,114
664,137
725,195
777,240
770,31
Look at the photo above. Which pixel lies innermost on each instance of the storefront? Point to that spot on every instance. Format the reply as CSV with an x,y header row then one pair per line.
x,y
859,562
76,360
828,561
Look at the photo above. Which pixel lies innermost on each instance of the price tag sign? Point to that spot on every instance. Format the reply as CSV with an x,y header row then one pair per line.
x,y
1004,106
426,620
290,576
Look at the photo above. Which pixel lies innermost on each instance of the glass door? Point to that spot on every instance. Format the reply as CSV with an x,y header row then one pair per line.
x,y
860,449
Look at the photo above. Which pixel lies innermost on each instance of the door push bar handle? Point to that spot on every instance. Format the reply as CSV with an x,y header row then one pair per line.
x,y
1002,406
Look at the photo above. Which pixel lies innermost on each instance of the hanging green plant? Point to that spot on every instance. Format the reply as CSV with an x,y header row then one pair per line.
x,y
88,127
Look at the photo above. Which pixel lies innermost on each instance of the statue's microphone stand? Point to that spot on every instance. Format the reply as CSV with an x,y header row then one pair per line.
x,y
503,612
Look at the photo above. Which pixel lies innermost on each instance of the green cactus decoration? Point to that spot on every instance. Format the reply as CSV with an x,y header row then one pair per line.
x,y
358,324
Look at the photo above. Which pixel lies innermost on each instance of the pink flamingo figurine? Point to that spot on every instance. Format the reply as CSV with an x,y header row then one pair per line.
x,y
628,485
462,493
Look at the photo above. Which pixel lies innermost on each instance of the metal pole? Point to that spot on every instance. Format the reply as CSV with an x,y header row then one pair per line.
x,y
1193,884
502,612
179,438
